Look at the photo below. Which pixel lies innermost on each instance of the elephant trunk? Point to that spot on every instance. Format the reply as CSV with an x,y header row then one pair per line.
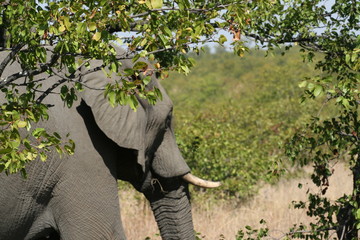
x,y
173,215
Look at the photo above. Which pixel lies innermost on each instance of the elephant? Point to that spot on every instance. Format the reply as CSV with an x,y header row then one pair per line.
x,y
75,197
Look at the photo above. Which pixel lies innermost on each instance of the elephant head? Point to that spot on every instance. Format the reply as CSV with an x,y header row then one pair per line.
x,y
157,167
76,197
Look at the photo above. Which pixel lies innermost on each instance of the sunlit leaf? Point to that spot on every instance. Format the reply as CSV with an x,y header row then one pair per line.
x,y
97,36
21,124
92,26
154,4
318,90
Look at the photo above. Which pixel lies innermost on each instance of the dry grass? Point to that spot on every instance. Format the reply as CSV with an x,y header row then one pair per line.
x,y
271,204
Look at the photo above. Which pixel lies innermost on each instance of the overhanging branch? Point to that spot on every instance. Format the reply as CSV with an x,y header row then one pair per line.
x,y
26,73
9,57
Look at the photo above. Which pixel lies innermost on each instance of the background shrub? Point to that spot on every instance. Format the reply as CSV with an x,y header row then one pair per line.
x,y
232,114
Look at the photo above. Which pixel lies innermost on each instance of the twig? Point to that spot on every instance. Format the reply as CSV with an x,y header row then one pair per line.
x,y
49,90
34,81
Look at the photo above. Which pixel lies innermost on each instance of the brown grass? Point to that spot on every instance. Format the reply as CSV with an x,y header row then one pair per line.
x,y
223,219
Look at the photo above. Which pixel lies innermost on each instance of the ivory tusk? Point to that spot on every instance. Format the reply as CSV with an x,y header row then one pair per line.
x,y
200,182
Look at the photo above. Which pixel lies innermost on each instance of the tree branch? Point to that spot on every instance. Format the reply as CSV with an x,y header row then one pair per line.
x,y
112,29
9,57
293,40
49,90
192,10
25,73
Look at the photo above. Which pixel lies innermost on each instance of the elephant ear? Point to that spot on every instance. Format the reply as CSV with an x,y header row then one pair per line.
x,y
121,124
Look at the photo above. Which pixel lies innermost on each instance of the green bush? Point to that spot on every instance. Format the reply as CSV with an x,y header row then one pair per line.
x,y
233,114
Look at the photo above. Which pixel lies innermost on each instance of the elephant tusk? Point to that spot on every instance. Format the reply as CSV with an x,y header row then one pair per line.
x,y
200,182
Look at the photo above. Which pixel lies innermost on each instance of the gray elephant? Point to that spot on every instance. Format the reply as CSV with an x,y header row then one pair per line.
x,y
76,197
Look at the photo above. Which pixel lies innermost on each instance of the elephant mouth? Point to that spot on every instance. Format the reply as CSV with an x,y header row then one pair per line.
x,y
196,181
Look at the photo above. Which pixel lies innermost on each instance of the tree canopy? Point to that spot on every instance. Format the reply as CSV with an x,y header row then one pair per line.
x,y
73,32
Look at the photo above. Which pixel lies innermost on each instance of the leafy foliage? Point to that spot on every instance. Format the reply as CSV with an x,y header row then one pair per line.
x,y
253,234
164,31
46,36
15,148
331,136
234,114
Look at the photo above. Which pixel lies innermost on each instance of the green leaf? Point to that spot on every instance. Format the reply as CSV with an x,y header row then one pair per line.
x,y
140,65
133,102
79,86
114,67
27,144
345,103
158,93
23,173
348,58
146,80
262,221
81,28
303,84
129,71
163,40
167,31
57,135
7,164
136,57
21,124
69,102
5,150
112,98
97,36
183,4
92,26
62,28
222,39
154,4
64,92
318,90
357,214
38,132
15,143
311,86
43,156
67,22
70,149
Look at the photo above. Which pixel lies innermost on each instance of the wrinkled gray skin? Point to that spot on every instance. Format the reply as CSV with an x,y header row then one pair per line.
x,y
76,197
